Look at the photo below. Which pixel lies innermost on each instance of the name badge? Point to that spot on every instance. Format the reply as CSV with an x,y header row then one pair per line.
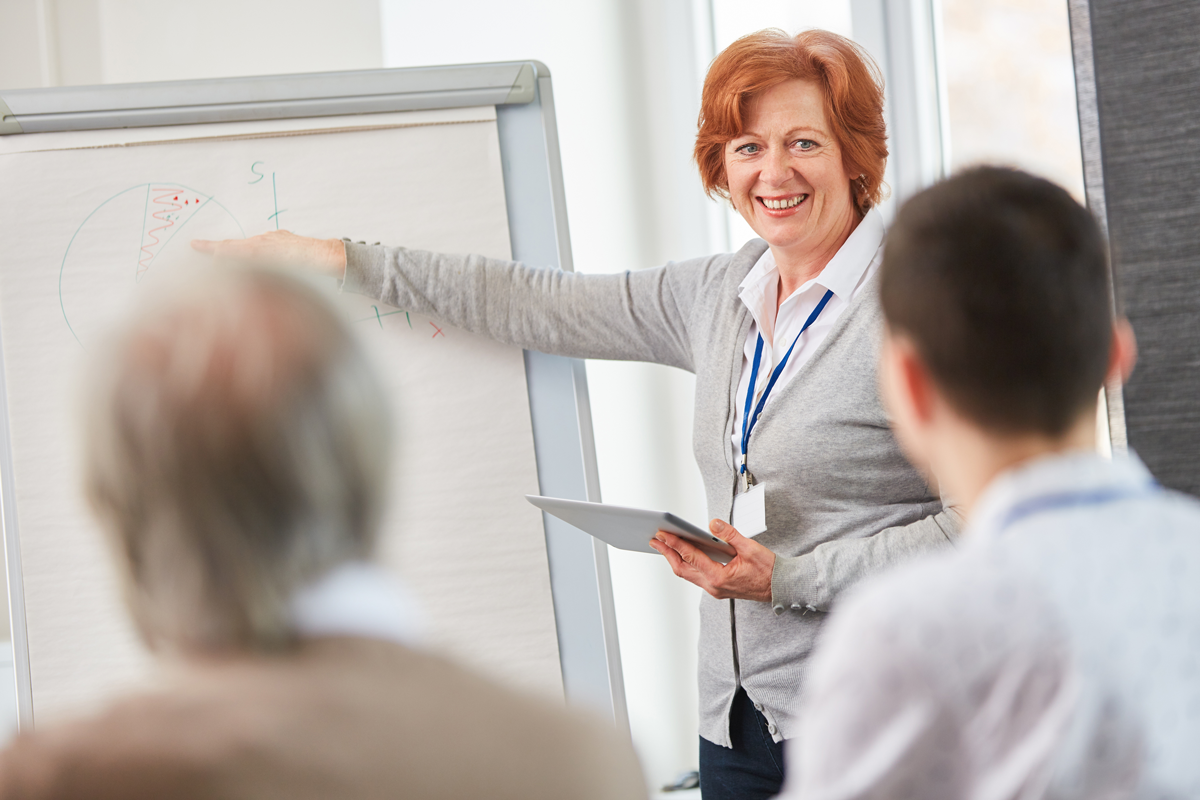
x,y
750,510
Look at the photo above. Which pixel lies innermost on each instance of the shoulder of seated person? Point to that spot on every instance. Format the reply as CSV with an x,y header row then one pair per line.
x,y
237,699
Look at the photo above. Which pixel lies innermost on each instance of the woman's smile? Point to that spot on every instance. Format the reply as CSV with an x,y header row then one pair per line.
x,y
782,206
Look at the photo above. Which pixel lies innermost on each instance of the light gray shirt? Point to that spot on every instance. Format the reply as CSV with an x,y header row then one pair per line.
x,y
841,499
1055,654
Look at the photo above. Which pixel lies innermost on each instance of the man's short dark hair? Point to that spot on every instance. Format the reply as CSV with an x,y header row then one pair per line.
x,y
1001,281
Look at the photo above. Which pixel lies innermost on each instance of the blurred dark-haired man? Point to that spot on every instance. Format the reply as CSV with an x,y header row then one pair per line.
x,y
1057,652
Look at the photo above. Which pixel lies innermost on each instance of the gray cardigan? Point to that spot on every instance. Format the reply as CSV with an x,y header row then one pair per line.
x,y
842,502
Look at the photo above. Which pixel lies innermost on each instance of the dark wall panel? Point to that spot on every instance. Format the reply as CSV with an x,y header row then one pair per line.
x,y
1147,79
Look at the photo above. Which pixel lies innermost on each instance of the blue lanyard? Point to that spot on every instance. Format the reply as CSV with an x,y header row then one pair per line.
x,y
748,420
1063,500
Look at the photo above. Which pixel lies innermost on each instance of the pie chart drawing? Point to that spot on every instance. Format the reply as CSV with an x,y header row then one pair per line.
x,y
128,241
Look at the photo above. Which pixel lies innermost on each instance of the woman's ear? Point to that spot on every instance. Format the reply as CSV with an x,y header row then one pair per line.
x,y
1123,353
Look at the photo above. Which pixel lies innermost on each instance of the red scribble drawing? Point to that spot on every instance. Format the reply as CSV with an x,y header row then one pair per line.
x,y
101,265
167,207
437,332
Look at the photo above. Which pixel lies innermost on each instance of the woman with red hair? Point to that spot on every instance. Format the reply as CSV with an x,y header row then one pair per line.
x,y
793,444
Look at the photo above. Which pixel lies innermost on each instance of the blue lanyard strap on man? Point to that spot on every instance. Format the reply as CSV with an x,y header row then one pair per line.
x,y
750,420
1073,499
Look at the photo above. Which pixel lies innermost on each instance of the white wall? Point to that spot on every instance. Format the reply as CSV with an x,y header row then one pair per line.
x,y
20,57
81,42
157,40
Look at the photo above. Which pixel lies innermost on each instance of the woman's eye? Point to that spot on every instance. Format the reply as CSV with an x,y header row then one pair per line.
x,y
806,144
747,149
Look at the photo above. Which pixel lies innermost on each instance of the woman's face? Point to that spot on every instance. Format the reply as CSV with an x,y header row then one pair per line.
x,y
785,172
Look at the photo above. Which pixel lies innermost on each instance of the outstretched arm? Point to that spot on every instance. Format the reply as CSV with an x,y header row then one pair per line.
x,y
635,316
323,256
631,316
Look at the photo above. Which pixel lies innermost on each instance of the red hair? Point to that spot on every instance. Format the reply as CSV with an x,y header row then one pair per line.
x,y
849,80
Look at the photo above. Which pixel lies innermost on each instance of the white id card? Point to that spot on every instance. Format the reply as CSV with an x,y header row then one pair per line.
x,y
750,510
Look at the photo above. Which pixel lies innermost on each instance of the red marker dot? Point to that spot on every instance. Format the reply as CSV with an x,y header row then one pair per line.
x,y
176,197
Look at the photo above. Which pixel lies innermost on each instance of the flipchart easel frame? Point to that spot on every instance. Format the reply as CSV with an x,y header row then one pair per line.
x,y
564,446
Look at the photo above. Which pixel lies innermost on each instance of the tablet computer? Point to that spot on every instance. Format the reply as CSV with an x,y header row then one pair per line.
x,y
631,528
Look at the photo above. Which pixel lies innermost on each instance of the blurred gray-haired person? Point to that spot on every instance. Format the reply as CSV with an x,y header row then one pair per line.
x,y
235,453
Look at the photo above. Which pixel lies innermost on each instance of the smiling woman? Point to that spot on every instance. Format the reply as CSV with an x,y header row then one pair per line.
x,y
785,120
789,182
802,474
850,95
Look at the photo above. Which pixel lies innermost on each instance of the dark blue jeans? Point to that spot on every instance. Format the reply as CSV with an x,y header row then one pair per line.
x,y
752,769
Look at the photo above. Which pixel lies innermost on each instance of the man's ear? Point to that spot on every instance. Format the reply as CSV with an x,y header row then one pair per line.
x,y
909,390
1123,353
911,400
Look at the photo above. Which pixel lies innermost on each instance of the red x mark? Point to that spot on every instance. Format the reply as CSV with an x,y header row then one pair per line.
x,y
436,332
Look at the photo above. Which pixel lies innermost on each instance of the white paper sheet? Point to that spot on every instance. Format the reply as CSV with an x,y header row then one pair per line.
x,y
83,228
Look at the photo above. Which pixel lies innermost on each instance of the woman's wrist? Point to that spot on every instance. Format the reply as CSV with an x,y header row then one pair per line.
x,y
794,584
334,261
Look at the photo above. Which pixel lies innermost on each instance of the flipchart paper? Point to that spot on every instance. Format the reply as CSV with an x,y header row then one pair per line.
x,y
87,220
